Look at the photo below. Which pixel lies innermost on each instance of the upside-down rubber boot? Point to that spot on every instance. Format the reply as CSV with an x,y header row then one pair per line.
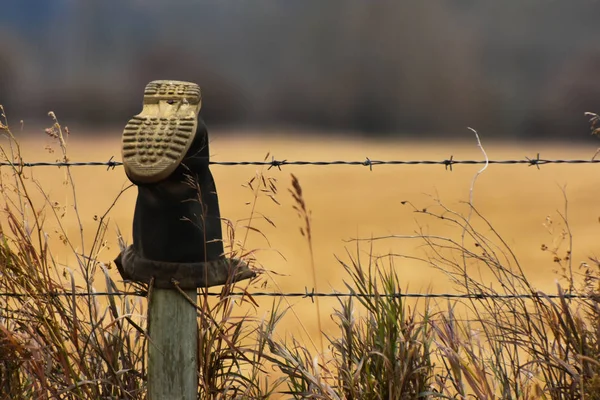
x,y
155,141
177,236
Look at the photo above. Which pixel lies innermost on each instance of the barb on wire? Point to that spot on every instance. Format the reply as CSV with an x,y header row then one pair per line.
x,y
311,294
447,163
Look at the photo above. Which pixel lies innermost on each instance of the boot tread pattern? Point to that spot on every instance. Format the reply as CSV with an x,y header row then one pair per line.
x,y
157,90
155,143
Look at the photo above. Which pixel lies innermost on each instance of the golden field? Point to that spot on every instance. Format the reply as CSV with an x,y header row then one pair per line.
x,y
345,201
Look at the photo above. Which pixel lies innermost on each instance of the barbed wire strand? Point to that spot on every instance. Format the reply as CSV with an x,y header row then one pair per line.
x,y
447,163
310,294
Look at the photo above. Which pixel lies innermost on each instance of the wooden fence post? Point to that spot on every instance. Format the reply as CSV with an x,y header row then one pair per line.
x,y
166,224
173,346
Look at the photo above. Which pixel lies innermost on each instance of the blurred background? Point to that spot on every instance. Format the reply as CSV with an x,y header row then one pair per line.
x,y
516,69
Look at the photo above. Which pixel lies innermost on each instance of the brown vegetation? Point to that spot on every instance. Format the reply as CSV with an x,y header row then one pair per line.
x,y
377,345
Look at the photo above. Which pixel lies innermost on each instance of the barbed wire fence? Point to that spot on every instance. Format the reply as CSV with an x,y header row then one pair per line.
x,y
312,294
274,163
448,163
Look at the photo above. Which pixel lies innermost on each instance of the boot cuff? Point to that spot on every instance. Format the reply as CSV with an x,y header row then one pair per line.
x,y
132,267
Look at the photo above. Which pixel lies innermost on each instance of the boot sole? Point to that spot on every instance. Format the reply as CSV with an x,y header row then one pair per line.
x,y
155,141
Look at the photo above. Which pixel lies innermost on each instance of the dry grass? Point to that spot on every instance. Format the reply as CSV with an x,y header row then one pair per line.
x,y
58,234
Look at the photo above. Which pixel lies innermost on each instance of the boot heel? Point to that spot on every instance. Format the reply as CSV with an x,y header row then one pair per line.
x,y
155,141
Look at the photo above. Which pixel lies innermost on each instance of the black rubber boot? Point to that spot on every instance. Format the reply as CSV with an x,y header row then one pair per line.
x,y
177,237
178,218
